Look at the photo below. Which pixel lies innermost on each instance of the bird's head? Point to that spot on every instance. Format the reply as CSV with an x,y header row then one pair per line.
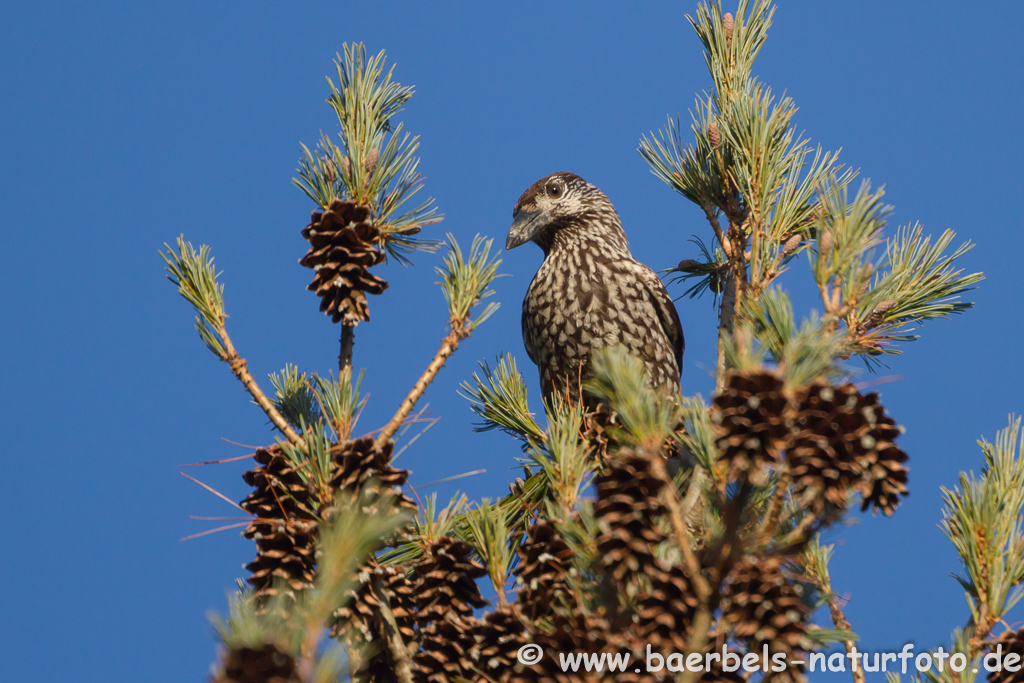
x,y
550,204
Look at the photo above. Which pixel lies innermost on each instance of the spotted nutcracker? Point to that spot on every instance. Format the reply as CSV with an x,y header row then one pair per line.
x,y
589,293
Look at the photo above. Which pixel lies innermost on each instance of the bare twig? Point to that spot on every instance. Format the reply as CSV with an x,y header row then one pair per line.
x,y
840,621
348,336
448,346
800,535
725,325
709,211
241,370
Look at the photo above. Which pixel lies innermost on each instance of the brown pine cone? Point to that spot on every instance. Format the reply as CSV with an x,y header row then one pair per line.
x,y
343,246
471,649
285,555
666,611
753,418
844,444
281,493
362,614
627,506
496,642
763,607
447,581
445,651
572,632
544,562
1011,642
362,468
596,434
885,476
284,528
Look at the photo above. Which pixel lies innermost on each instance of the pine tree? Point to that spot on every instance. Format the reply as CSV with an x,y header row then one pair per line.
x,y
677,524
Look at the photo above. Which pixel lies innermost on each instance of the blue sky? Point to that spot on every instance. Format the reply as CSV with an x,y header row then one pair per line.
x,y
124,124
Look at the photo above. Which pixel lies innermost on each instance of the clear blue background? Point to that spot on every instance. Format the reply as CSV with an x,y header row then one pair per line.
x,y
123,124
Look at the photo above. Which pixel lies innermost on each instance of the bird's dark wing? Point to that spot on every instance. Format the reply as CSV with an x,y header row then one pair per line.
x,y
666,310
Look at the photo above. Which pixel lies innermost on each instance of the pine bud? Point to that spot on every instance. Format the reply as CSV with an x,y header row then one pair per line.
x,y
714,135
346,167
727,23
825,241
371,160
883,307
688,265
330,171
792,244
517,488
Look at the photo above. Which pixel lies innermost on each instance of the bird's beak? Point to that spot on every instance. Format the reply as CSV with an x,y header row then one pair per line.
x,y
524,227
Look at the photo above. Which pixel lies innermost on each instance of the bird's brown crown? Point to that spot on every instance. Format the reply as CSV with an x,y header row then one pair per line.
x,y
528,200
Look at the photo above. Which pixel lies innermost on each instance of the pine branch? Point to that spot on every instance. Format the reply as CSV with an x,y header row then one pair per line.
x,y
565,462
392,637
921,282
294,625
195,276
984,519
500,399
875,301
294,397
814,560
465,283
340,402
802,352
375,164
622,381
747,164
489,533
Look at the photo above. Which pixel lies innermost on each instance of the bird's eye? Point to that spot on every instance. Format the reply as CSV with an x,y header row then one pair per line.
x,y
555,189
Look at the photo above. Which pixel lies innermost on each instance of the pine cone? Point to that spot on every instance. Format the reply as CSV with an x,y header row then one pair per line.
x,y
885,476
764,608
544,561
361,618
360,462
1012,642
445,651
285,552
468,648
281,493
727,23
497,639
595,431
666,611
287,515
285,526
714,135
266,664
362,614
447,586
844,444
626,508
572,631
753,418
343,246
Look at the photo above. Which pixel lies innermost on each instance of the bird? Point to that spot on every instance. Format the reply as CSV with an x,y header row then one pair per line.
x,y
589,293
